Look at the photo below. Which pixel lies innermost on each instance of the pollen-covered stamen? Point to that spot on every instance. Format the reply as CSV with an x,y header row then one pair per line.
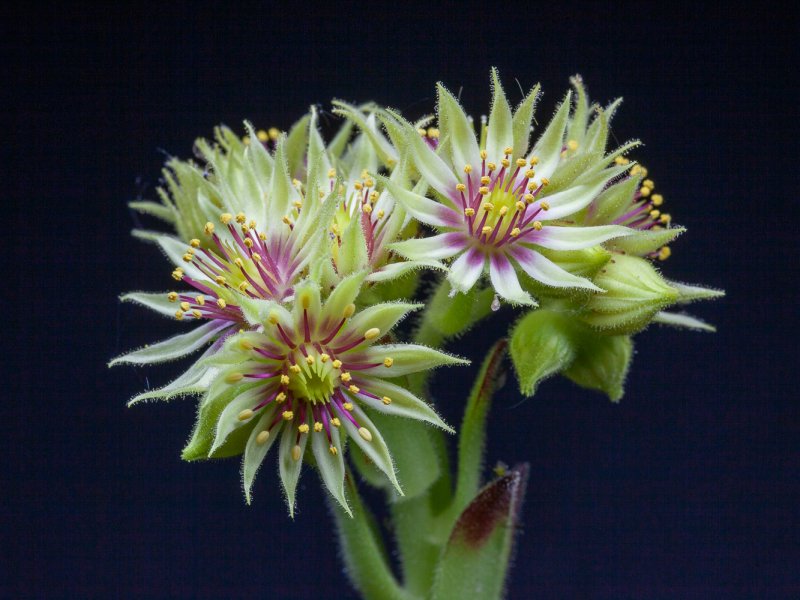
x,y
644,212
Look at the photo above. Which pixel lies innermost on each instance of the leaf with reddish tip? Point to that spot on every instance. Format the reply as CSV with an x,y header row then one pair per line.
x,y
477,555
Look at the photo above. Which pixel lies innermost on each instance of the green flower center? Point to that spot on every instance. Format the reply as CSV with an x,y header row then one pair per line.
x,y
313,382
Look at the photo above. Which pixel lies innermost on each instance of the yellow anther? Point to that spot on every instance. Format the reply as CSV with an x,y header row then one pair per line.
x,y
262,135
484,154
332,449
238,262
243,286
240,218
388,361
245,415
486,230
262,437
317,426
194,243
485,180
386,400
226,218
324,357
201,301
348,311
274,133
346,377
380,214
221,303
246,344
373,196
287,415
515,232
332,173
262,237
468,169
187,257
533,161
177,274
657,199
490,166
488,207
572,145
528,198
372,333
645,191
336,364
364,433
503,210
233,377
294,368
172,297
520,162
460,187
655,214
347,406
665,218
280,398
284,379
297,204
421,131
433,132
544,205
196,314
619,160
303,428
367,208
508,150
297,452
530,173
520,205
470,212
354,388
179,314
369,183
309,360
532,185
537,225
545,181
648,183
220,280
358,186
664,253
246,140
636,169
505,162
287,220
336,422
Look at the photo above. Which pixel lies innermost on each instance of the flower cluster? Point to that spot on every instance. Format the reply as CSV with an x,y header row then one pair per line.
x,y
298,257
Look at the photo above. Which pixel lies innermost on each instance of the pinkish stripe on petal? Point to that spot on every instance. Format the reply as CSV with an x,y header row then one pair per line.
x,y
505,282
466,270
547,272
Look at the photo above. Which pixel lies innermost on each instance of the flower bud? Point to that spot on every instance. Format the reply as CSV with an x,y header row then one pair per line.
x,y
635,292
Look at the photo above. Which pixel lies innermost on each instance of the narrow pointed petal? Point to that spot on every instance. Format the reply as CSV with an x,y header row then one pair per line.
x,y
172,348
433,169
194,381
458,129
175,249
407,358
403,403
521,123
399,269
423,209
500,134
575,238
157,301
573,199
382,316
437,247
466,270
376,448
344,293
505,282
228,419
547,272
548,148
290,468
331,466
254,452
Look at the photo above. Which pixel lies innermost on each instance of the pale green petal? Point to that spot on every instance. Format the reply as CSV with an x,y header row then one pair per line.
x,y
175,249
692,293
228,419
403,403
645,242
547,272
376,448
154,209
353,254
521,123
254,452
432,168
383,316
172,348
458,128
345,292
407,358
157,301
331,466
576,238
290,468
548,148
399,269
500,134
195,380
683,321
437,247
423,209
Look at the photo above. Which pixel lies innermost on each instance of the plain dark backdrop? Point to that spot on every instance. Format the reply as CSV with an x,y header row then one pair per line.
x,y
688,488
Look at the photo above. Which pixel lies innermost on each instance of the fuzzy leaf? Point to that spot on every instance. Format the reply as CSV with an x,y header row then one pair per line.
x,y
602,363
542,344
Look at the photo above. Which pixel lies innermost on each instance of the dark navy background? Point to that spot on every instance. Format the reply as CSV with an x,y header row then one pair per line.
x,y
688,488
